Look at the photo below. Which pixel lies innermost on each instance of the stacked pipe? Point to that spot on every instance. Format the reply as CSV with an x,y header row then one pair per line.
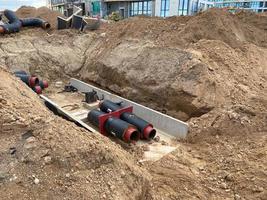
x,y
32,81
14,23
125,125
115,126
146,129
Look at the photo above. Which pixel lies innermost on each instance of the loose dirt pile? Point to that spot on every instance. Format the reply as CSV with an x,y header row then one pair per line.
x,y
42,12
209,69
40,159
215,24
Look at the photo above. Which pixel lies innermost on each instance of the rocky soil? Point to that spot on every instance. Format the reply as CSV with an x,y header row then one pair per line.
x,y
209,70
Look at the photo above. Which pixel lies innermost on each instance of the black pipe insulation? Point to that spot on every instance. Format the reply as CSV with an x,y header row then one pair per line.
x,y
21,72
115,126
37,89
31,81
42,83
15,23
35,22
146,129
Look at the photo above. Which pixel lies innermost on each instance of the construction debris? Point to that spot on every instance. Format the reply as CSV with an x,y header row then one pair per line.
x,y
77,21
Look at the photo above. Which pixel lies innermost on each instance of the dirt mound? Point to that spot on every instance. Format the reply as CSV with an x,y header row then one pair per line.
x,y
214,24
43,159
257,20
209,69
42,12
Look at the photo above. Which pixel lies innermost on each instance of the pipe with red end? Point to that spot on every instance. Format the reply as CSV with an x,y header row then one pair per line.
x,y
146,129
37,89
43,84
29,80
115,126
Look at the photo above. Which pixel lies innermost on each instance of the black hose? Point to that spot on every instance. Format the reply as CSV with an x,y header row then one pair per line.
x,y
14,23
36,22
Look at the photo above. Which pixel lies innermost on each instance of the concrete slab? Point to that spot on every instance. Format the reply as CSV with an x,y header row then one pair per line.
x,y
77,22
69,115
63,23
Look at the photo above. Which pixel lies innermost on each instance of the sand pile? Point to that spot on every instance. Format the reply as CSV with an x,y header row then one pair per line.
x,y
214,24
209,69
42,12
41,159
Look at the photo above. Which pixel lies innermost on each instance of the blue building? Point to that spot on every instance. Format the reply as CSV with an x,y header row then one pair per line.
x,y
128,8
252,5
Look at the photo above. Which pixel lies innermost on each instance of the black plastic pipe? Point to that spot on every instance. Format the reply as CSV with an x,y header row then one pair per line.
x,y
37,89
14,24
146,129
116,127
21,72
42,83
35,22
29,80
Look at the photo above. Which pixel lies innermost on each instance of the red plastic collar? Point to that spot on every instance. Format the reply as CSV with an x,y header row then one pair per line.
x,y
128,135
149,132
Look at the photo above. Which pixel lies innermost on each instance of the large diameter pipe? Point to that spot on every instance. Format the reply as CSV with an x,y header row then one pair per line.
x,y
42,83
116,127
21,72
146,129
31,81
14,24
35,22
37,89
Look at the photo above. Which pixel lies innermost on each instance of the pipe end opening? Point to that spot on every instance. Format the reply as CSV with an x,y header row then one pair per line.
x,y
46,25
33,81
149,132
131,135
152,134
38,89
135,136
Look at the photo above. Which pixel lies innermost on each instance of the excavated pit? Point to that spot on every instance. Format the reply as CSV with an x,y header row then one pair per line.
x,y
209,69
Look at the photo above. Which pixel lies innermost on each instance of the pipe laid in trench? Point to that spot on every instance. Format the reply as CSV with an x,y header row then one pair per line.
x,y
31,81
37,89
116,127
146,129
42,83
15,23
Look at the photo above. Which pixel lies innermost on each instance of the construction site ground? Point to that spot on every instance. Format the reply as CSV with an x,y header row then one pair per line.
x,y
209,70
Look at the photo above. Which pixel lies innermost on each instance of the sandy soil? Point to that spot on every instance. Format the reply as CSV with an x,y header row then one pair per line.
x,y
209,70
